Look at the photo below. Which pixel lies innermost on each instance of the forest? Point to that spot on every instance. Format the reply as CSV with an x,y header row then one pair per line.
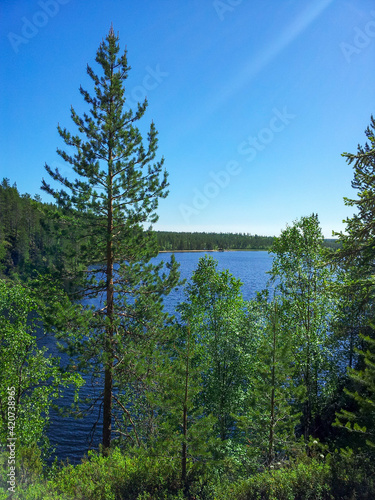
x,y
272,398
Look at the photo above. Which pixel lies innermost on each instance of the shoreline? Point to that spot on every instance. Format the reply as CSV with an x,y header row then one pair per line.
x,y
218,251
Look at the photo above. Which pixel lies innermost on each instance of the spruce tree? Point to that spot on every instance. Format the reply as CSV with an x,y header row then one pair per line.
x,y
358,242
107,206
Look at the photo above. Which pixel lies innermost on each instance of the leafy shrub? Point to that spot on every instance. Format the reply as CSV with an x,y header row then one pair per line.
x,y
117,477
302,481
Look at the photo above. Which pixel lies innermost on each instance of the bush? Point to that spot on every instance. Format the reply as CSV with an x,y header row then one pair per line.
x,y
117,477
309,480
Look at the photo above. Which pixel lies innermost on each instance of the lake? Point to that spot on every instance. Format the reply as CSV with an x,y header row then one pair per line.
x,y
71,437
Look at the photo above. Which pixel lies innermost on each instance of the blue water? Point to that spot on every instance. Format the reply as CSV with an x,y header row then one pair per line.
x,y
71,437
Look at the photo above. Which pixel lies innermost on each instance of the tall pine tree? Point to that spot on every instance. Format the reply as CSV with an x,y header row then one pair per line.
x,y
113,197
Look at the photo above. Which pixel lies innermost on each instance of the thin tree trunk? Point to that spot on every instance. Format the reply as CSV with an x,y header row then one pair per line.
x,y
184,424
108,371
273,377
308,406
308,400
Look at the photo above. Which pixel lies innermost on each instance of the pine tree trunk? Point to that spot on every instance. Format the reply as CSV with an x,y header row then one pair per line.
x,y
184,449
108,366
107,408
108,373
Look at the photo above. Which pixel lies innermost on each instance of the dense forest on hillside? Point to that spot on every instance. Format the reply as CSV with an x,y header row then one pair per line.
x,y
29,237
271,398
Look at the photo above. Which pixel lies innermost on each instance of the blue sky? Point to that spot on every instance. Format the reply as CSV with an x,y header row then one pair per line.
x,y
254,101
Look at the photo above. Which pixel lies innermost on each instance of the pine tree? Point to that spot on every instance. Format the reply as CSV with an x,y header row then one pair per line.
x,y
184,430
271,408
115,194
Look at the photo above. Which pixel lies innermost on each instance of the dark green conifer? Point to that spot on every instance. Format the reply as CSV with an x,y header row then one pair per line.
x,y
362,420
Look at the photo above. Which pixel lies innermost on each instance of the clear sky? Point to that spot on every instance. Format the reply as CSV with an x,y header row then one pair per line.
x,y
254,100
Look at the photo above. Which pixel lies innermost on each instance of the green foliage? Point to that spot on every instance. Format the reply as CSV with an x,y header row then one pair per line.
x,y
362,421
271,409
28,467
304,281
302,481
172,240
183,430
28,239
354,261
29,378
358,241
115,477
216,314
216,399
141,476
352,475
356,256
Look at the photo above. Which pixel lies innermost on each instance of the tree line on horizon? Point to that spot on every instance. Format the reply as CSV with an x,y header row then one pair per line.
x,y
268,398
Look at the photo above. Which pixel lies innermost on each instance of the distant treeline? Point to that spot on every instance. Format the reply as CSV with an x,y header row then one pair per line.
x,y
169,240
30,240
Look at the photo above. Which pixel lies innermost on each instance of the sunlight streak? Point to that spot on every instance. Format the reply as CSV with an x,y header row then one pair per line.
x,y
272,50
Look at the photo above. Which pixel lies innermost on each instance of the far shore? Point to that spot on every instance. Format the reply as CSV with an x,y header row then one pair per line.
x,y
219,251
